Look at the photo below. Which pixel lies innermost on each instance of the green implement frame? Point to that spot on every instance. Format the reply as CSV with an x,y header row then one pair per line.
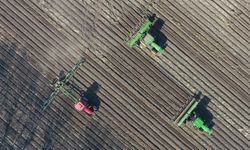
x,y
141,35
190,113
138,35
186,112
61,85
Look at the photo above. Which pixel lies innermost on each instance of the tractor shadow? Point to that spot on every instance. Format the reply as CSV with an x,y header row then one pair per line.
x,y
160,38
91,94
202,110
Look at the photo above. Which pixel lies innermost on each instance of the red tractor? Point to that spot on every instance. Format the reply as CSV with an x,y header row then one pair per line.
x,y
83,105
61,83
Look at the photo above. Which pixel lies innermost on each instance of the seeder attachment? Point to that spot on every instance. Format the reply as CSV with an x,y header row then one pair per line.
x,y
185,114
141,36
189,113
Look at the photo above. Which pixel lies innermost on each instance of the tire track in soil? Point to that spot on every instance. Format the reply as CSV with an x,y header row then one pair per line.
x,y
15,85
239,51
27,93
53,119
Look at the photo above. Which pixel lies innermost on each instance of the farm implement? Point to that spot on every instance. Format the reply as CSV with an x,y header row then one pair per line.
x,y
141,36
189,113
61,84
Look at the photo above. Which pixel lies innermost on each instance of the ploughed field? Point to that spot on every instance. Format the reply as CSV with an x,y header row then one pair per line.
x,y
140,92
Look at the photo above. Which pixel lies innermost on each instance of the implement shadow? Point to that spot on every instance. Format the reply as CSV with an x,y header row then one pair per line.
x,y
202,110
160,38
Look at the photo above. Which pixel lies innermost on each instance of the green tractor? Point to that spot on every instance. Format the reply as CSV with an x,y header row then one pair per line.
x,y
199,123
141,36
189,113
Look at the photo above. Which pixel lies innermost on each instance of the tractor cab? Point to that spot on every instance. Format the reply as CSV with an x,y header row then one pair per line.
x,y
84,105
